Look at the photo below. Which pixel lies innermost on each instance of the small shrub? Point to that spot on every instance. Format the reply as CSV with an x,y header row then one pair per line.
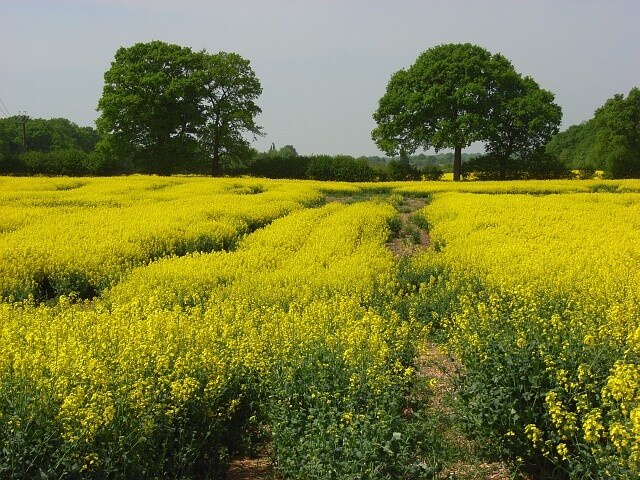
x,y
432,173
420,221
339,168
586,173
402,170
395,225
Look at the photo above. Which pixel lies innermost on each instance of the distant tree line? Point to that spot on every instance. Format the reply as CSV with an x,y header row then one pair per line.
x,y
443,161
60,147
610,141
286,163
167,109
55,147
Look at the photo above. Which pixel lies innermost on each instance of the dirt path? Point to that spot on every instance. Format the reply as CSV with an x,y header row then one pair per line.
x,y
435,365
412,235
259,468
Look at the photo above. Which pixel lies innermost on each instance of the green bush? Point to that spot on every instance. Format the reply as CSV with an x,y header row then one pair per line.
x,y
57,162
339,168
586,173
278,166
537,166
401,170
432,172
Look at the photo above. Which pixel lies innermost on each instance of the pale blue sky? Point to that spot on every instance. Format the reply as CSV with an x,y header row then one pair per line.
x,y
323,64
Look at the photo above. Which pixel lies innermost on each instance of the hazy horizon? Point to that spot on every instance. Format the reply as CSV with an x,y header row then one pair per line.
x,y
323,65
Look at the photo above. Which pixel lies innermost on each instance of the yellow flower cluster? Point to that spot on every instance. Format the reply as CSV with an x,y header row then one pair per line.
x,y
60,236
214,295
561,274
177,342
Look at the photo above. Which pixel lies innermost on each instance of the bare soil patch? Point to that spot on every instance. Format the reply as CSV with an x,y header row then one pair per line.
x,y
259,468
411,236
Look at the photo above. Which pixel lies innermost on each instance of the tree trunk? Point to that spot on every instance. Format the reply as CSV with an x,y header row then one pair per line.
x,y
216,167
457,164
503,167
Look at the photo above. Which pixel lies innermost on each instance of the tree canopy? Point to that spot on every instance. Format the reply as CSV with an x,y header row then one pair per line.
x,y
457,94
523,119
576,147
228,107
618,134
166,106
44,135
609,141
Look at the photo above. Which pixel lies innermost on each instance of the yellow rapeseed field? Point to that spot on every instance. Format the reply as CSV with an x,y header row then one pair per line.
x,y
154,327
546,317
150,378
81,235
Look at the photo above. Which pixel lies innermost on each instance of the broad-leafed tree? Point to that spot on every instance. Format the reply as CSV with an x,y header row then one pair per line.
x,y
618,135
228,108
165,106
458,94
523,119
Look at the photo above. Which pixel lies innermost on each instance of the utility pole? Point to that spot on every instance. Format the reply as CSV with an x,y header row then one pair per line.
x,y
23,117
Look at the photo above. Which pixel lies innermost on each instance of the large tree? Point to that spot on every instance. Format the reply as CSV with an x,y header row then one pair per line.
x,y
523,119
230,89
150,105
457,94
618,135
165,106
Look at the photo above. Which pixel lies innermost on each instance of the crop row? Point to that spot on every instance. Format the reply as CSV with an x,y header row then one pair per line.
x,y
66,236
180,364
539,299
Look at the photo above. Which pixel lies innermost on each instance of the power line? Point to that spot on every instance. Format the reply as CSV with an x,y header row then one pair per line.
x,y
23,117
4,110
